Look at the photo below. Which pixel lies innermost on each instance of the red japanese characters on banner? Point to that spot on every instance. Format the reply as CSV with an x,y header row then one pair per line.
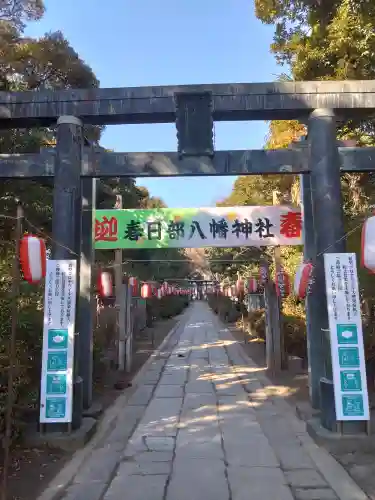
x,y
106,229
368,244
302,279
291,225
33,258
105,284
283,286
146,291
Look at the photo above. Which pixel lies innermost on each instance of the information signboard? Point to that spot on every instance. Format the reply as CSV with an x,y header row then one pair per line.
x,y
56,392
345,325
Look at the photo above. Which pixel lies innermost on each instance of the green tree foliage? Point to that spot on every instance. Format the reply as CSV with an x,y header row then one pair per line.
x,y
48,63
29,64
330,40
16,13
316,40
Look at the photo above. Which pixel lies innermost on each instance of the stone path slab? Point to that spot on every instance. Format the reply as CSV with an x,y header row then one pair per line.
x,y
203,424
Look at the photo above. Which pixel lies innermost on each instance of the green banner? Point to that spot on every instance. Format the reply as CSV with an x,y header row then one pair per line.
x,y
197,227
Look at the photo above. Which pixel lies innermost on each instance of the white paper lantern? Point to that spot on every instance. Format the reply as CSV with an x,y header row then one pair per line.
x,y
302,279
368,244
105,284
146,291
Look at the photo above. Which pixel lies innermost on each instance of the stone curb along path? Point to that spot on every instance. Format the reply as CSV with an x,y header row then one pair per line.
x,y
55,490
203,422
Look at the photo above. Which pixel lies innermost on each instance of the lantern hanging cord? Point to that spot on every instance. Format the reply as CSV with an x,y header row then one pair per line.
x,y
111,266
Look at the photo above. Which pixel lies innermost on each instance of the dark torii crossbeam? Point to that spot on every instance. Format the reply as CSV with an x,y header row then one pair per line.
x,y
170,164
229,102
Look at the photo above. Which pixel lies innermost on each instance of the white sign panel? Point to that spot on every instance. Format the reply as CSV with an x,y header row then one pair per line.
x,y
345,325
56,392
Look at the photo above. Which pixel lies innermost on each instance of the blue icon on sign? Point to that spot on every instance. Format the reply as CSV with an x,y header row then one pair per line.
x,y
57,361
58,339
56,383
55,407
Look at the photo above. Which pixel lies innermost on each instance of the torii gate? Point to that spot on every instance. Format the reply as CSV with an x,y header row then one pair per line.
x,y
194,108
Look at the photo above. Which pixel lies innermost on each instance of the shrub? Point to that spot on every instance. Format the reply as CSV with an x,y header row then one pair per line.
x,y
29,336
167,307
256,321
225,308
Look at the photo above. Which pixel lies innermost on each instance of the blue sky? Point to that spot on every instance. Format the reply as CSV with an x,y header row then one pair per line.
x,y
166,42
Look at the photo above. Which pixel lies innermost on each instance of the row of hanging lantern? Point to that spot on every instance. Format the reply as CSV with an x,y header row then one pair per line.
x,y
145,290
33,264
283,283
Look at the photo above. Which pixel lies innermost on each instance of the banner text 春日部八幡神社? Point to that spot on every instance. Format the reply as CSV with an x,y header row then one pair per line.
x,y
195,228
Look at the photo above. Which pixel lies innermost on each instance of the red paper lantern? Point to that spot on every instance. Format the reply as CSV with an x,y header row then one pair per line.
x,y
240,286
146,291
252,285
302,279
263,275
133,282
33,258
368,244
105,284
283,286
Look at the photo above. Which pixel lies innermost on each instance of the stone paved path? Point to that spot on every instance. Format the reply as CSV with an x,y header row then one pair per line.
x,y
204,423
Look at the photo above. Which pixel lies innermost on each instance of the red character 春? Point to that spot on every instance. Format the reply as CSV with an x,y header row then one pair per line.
x,y
291,224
